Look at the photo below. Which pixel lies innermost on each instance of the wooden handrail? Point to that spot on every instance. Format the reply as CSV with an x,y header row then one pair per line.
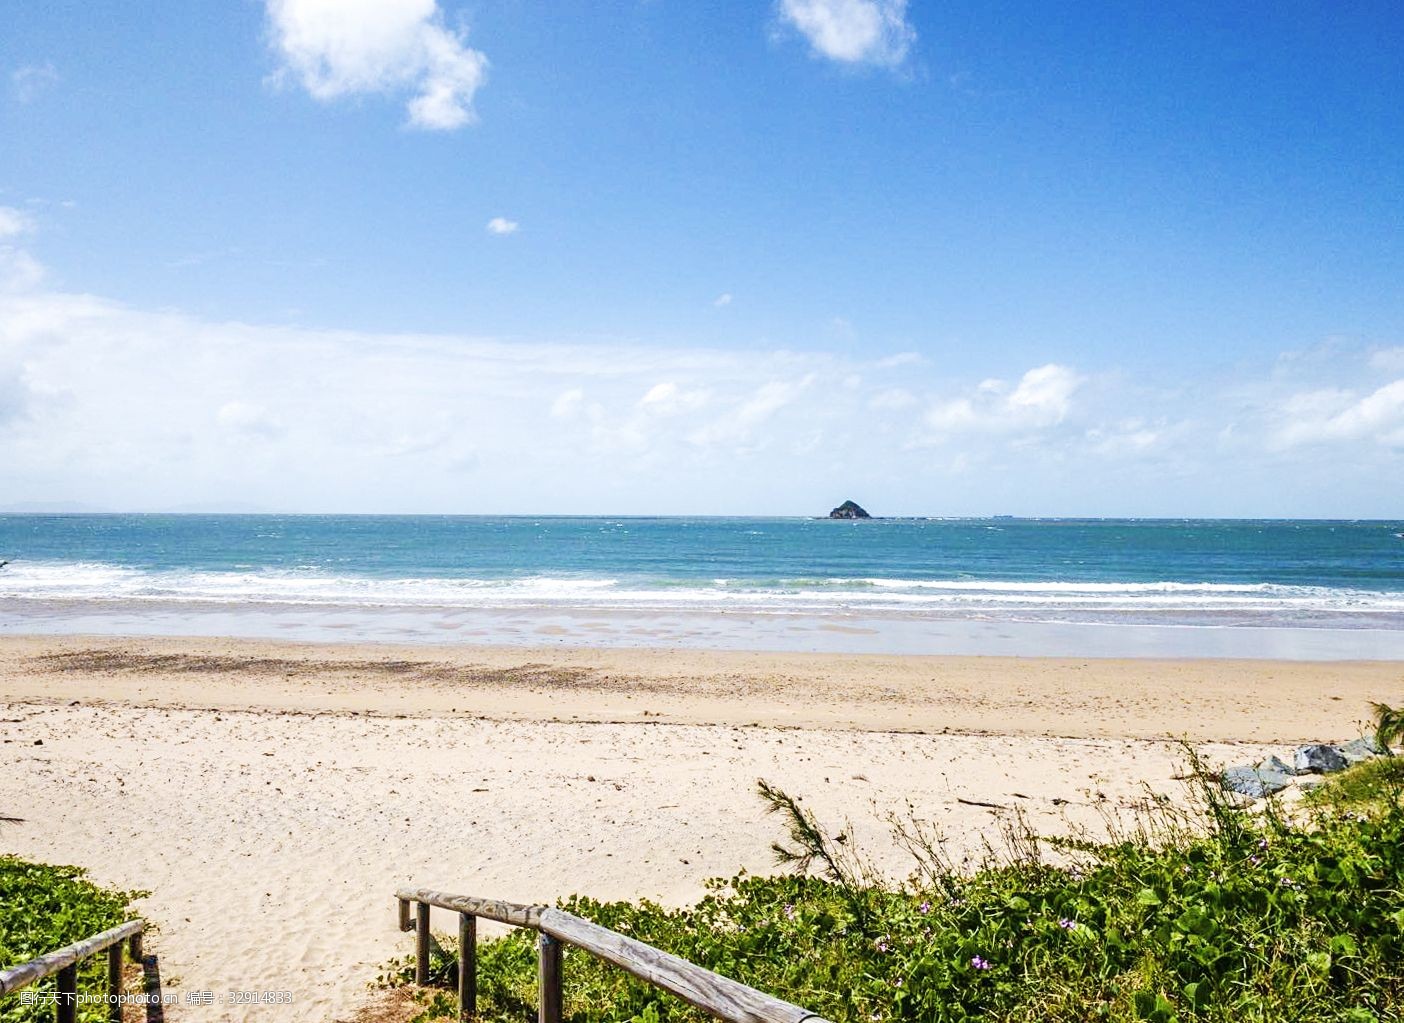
x,y
65,962
714,994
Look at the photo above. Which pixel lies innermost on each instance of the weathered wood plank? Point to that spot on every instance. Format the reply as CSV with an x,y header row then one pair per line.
x,y
513,913
15,977
467,965
421,944
712,993
114,983
548,979
404,917
67,1011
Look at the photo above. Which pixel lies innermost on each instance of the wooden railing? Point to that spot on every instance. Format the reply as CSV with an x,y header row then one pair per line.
x,y
65,962
712,993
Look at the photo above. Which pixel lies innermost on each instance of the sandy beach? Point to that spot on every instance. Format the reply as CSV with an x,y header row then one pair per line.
x,y
272,796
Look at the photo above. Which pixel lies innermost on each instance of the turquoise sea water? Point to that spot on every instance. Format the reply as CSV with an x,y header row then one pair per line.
x,y
71,571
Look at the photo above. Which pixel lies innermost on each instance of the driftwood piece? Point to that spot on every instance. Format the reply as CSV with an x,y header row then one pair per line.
x,y
976,802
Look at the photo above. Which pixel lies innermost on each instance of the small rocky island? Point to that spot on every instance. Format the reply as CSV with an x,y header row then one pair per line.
x,y
849,510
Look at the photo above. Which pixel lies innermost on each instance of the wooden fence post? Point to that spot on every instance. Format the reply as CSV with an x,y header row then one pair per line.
x,y
549,979
405,924
67,1011
467,965
135,947
421,944
114,983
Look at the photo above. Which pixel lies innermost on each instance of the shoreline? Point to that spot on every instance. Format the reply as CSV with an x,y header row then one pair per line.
x,y
1147,634
1143,698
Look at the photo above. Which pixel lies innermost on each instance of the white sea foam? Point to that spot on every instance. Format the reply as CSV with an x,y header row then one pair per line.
x,y
96,582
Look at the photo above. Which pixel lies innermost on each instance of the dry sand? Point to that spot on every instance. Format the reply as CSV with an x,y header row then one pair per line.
x,y
272,796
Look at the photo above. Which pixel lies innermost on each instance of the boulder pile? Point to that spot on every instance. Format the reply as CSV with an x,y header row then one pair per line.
x,y
1309,763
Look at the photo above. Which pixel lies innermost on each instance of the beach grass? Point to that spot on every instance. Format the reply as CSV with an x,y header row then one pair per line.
x,y
1199,911
1370,787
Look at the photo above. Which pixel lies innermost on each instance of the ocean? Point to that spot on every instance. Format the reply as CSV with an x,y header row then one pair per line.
x,y
1114,587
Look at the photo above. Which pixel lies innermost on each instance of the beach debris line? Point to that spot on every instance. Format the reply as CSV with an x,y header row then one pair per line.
x,y
1273,775
849,510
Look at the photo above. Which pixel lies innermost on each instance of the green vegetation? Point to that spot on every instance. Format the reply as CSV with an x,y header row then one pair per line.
x,y
1369,788
1389,724
1209,912
44,908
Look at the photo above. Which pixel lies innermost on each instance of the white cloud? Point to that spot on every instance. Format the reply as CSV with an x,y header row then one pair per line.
x,y
126,408
32,79
899,360
1041,399
853,31
1317,417
724,299
1389,360
1130,437
567,403
842,329
339,48
667,399
501,225
894,398
248,420
1044,395
19,271
14,393
14,223
739,424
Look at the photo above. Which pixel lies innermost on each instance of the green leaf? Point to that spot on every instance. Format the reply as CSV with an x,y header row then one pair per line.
x,y
1197,994
1344,944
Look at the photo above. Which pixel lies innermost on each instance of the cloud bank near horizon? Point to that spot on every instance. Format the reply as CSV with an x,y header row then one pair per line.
x,y
118,407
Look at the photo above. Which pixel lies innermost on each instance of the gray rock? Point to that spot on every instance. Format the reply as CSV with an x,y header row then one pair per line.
x,y
1319,759
1275,766
1254,783
1357,751
849,510
1307,782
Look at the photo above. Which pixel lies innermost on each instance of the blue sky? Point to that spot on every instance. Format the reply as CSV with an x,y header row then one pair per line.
x,y
943,258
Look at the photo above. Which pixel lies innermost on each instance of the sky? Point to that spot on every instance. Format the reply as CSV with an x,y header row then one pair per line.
x,y
659,257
